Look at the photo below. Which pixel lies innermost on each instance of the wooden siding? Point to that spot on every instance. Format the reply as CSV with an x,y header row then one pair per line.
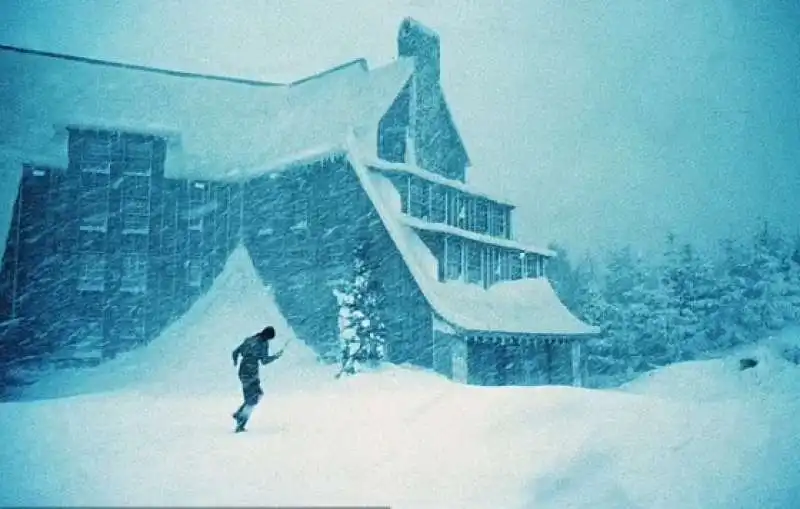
x,y
393,128
304,264
97,254
529,360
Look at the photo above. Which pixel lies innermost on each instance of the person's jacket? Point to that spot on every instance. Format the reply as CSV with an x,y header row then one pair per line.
x,y
252,351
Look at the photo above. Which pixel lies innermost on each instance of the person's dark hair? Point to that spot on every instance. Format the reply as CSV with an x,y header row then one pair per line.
x,y
267,333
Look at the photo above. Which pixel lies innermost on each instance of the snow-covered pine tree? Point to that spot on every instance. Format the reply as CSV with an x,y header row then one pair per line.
x,y
767,291
634,335
590,304
362,333
689,302
728,326
792,273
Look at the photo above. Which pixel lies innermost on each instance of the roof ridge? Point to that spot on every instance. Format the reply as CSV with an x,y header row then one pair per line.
x,y
144,68
356,61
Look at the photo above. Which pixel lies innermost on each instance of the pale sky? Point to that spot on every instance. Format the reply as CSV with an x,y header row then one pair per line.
x,y
608,123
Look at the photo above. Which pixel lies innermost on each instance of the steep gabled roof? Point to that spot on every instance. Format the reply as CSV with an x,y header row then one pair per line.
x,y
216,127
144,68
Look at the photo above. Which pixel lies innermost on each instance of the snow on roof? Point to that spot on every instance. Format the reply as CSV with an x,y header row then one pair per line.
x,y
518,307
432,177
216,128
420,224
320,112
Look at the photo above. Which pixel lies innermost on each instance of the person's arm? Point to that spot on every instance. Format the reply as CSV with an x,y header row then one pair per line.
x,y
266,358
237,352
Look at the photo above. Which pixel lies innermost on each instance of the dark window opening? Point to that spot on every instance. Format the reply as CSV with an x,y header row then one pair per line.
x,y
92,272
515,261
438,204
453,258
474,258
420,198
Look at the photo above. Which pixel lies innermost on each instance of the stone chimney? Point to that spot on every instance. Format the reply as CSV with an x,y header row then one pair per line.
x,y
416,40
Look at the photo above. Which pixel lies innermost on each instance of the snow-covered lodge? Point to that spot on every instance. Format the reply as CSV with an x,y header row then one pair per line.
x,y
124,189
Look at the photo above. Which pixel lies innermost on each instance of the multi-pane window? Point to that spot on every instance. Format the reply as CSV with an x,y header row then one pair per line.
x,y
92,272
515,259
94,196
197,203
195,272
130,323
531,266
92,331
491,273
419,197
453,257
498,221
134,273
99,146
138,156
138,167
453,205
438,204
473,258
481,218
135,204
503,267
463,217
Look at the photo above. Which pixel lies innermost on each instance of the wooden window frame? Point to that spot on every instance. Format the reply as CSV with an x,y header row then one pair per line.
x,y
454,257
133,274
94,196
93,268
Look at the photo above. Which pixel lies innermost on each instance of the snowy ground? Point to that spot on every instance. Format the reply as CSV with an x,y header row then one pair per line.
x,y
154,428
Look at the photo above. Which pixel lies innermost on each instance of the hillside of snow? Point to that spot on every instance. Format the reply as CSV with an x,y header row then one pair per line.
x,y
153,427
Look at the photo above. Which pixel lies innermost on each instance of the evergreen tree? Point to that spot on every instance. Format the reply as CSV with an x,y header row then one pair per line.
x,y
563,277
630,293
792,275
728,326
592,307
766,289
690,300
362,333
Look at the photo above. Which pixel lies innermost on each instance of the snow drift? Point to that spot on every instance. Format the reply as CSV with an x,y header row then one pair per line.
x,y
193,355
154,428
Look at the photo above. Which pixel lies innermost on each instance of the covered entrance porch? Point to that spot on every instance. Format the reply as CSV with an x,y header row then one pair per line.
x,y
480,358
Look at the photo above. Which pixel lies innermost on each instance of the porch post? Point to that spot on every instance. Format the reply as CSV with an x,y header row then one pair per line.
x,y
576,363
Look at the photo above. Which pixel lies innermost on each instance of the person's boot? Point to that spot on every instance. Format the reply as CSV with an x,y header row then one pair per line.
x,y
243,417
238,412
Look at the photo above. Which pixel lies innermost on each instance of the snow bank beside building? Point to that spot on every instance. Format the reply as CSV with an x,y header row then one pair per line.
x,y
193,355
